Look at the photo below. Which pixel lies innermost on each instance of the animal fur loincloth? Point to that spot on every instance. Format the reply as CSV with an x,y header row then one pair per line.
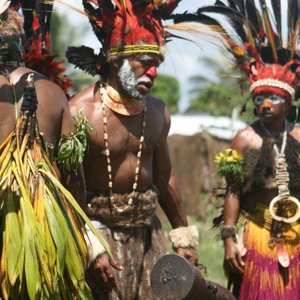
x,y
139,213
137,249
260,164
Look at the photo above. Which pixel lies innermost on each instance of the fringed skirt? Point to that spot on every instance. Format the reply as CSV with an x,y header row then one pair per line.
x,y
264,278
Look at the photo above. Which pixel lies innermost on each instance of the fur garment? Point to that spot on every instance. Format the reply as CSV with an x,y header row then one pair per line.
x,y
139,213
260,164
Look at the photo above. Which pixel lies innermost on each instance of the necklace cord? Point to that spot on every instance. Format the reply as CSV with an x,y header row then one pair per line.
x,y
133,194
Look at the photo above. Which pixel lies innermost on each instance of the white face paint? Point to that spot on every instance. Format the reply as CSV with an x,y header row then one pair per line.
x,y
128,81
273,99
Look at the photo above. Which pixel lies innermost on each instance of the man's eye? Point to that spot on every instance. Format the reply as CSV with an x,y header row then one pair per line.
x,y
274,98
258,100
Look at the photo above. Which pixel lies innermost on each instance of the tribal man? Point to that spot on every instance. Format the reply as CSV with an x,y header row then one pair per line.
x,y
127,168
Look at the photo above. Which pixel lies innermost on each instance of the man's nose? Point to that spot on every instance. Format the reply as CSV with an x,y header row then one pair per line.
x,y
266,104
151,72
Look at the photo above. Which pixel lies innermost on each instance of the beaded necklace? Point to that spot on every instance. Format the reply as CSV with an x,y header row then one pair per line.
x,y
282,174
133,194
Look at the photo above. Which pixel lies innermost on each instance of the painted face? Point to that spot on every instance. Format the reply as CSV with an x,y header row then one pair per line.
x,y
273,99
270,105
137,74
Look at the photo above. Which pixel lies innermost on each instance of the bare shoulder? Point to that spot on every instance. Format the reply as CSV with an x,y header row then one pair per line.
x,y
47,91
245,139
156,104
85,99
159,117
295,132
158,107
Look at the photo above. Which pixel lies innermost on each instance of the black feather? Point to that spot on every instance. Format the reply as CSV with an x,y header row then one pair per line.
x,y
253,15
232,5
293,12
240,4
276,5
235,17
201,18
84,58
164,11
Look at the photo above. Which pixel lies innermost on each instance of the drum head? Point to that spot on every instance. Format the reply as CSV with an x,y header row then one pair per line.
x,y
172,277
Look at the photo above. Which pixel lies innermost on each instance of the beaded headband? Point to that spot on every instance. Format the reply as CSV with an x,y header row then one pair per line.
x,y
130,49
273,83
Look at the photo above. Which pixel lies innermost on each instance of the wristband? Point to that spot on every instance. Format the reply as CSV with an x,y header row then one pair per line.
x,y
228,231
184,237
95,248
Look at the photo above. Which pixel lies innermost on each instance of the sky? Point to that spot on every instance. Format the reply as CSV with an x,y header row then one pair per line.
x,y
182,57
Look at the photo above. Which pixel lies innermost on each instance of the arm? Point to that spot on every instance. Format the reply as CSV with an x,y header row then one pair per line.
x,y
100,271
232,210
231,214
170,198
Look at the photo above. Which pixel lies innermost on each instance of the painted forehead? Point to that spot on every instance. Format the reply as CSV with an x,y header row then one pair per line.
x,y
145,57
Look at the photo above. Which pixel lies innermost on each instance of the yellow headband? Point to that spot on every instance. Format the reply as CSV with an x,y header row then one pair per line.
x,y
128,49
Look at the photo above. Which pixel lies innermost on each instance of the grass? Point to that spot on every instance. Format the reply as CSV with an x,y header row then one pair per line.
x,y
210,250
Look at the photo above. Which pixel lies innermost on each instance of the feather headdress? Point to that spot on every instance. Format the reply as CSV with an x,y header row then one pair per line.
x,y
35,23
255,34
123,27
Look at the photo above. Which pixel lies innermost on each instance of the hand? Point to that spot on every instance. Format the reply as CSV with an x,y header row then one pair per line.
x,y
100,274
233,256
188,253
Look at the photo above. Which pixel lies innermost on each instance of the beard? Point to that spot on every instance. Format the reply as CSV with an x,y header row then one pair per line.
x,y
128,81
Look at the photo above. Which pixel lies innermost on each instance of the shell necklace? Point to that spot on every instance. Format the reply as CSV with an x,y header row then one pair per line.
x,y
282,181
134,192
282,174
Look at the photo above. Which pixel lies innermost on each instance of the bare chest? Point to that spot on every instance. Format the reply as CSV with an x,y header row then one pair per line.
x,y
125,135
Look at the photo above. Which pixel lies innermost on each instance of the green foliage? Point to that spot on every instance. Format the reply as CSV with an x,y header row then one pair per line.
x,y
166,88
218,99
210,249
222,94
63,35
230,165
72,147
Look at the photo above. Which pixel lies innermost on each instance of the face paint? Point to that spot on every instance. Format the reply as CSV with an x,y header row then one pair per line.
x,y
273,99
128,81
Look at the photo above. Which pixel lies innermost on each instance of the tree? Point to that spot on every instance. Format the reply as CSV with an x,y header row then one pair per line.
x,y
218,96
59,44
166,88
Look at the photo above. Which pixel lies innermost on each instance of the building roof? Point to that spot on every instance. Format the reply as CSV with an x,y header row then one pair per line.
x,y
221,127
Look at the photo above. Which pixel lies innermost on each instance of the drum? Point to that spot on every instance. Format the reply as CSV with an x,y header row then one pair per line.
x,y
174,278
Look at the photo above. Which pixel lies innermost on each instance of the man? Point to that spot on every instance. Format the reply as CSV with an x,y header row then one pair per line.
x,y
127,168
261,169
268,257
39,219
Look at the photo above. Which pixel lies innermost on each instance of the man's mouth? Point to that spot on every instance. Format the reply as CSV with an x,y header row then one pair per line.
x,y
148,84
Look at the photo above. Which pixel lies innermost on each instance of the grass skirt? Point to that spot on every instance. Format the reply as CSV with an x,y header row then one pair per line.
x,y
264,278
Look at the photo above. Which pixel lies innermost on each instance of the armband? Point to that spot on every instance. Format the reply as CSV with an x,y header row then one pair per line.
x,y
72,148
184,237
230,164
228,231
95,248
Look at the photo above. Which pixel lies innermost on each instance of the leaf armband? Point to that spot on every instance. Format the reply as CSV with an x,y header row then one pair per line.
x,y
230,165
72,148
